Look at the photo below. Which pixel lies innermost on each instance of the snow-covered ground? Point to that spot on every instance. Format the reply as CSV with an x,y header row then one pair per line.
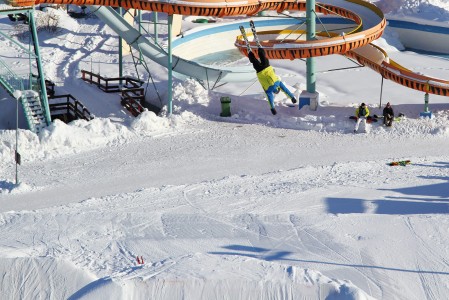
x,y
253,206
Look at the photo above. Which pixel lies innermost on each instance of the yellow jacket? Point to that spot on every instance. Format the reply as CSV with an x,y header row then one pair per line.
x,y
267,77
366,112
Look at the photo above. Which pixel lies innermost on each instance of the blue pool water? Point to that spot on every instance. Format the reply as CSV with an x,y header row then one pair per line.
x,y
428,53
220,58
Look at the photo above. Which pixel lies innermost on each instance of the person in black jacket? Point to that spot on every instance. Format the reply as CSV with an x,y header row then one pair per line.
x,y
388,115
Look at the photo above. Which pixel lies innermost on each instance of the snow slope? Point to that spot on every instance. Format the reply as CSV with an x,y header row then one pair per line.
x,y
253,206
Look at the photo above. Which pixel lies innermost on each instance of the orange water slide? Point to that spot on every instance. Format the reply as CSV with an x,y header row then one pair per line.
x,y
356,44
377,59
295,49
215,8
222,8
353,44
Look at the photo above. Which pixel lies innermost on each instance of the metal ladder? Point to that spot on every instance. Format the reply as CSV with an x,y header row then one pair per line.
x,y
33,110
33,92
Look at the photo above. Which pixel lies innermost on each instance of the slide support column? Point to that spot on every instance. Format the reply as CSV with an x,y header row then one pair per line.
x,y
40,70
310,96
170,65
426,113
120,54
311,28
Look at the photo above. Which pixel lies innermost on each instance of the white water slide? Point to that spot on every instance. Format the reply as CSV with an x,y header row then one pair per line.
x,y
157,54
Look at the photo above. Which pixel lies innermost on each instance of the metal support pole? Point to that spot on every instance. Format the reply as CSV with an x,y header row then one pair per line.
x,y
426,103
155,20
139,18
120,54
170,68
311,28
381,91
43,91
17,141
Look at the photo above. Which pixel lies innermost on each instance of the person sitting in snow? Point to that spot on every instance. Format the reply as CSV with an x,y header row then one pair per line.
x,y
388,115
268,78
362,113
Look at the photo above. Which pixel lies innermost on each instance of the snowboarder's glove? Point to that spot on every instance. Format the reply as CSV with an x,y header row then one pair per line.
x,y
293,100
273,111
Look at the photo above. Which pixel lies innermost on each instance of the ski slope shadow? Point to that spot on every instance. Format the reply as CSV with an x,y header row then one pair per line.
x,y
345,205
258,253
424,199
394,207
437,190
428,199
101,285
437,164
89,288
253,252
6,186
389,206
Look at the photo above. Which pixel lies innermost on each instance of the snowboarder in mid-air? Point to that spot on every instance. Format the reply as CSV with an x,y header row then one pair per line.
x,y
388,115
265,73
268,78
361,113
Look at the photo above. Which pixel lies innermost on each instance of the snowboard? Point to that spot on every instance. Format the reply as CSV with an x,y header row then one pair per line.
x,y
369,119
400,163
245,38
253,29
396,119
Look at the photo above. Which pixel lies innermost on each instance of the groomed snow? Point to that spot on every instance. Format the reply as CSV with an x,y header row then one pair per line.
x,y
253,206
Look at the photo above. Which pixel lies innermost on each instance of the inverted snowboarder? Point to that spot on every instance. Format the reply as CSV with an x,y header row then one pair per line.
x,y
265,73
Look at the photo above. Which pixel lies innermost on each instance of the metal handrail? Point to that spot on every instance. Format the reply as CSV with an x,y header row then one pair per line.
x,y
10,80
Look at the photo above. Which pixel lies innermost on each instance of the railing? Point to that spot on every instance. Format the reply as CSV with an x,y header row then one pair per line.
x,y
133,95
68,109
131,99
9,79
49,85
110,85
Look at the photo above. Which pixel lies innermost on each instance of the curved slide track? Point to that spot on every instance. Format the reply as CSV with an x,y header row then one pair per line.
x,y
217,8
377,59
369,25
369,22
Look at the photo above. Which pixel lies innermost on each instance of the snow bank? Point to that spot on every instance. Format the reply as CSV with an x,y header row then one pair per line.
x,y
40,277
60,139
201,276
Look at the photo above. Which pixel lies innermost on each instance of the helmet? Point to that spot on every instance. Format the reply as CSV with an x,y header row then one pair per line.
x,y
363,104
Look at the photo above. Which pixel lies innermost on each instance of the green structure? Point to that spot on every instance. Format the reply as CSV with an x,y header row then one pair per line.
x,y
311,28
28,88
310,96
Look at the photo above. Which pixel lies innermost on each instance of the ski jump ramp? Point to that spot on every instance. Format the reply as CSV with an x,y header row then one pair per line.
x,y
370,24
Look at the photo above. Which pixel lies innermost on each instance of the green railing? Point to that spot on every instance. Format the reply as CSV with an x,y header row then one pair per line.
x,y
9,79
